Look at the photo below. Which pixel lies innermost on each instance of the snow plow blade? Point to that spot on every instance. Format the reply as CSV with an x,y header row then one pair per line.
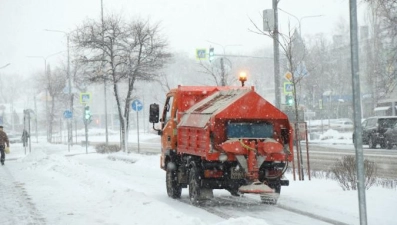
x,y
256,188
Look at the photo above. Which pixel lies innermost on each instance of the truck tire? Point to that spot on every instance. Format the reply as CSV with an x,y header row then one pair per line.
x,y
197,193
383,145
194,186
371,142
174,189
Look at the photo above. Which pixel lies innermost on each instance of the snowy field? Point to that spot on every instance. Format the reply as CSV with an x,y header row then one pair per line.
x,y
50,185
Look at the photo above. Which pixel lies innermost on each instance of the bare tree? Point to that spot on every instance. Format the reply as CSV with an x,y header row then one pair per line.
x,y
219,70
294,52
123,52
54,83
383,16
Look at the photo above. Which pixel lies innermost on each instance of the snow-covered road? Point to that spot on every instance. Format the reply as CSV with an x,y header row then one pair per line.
x,y
53,186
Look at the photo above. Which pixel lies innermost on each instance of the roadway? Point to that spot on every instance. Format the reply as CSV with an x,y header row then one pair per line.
x,y
321,156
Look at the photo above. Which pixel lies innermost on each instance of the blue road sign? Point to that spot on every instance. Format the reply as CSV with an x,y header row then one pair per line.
x,y
137,105
67,114
288,88
301,70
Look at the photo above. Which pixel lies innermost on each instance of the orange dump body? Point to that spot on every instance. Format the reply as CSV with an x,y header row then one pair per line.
x,y
233,121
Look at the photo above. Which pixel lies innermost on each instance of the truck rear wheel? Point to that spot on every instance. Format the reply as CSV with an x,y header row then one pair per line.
x,y
194,186
197,193
174,189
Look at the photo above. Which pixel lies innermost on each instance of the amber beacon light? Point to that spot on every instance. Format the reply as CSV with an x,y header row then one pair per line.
x,y
243,78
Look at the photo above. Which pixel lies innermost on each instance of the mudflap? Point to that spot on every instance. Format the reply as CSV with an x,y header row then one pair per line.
x,y
206,194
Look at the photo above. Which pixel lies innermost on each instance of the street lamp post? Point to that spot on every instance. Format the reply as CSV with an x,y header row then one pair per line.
x,y
69,120
46,104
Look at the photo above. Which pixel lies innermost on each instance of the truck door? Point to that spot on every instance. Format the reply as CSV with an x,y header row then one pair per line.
x,y
168,138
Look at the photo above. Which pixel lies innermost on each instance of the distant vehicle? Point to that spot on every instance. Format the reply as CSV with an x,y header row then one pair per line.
x,y
342,125
374,129
14,138
391,137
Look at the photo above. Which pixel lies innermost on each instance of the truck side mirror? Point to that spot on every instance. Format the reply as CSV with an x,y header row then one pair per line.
x,y
154,113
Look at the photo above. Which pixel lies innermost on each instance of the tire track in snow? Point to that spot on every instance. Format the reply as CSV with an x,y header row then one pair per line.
x,y
16,207
225,206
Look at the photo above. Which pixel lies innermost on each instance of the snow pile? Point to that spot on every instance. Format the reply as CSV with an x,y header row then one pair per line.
x,y
335,135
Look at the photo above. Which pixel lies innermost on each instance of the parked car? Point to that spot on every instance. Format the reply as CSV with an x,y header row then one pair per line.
x,y
374,129
342,125
391,137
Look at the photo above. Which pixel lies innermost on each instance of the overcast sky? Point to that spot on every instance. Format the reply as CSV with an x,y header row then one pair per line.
x,y
186,24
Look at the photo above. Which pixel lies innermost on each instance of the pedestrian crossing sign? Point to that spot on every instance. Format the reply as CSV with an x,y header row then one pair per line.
x,y
201,54
85,98
288,87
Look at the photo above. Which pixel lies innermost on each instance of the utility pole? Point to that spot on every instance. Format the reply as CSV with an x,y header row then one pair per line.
x,y
276,57
104,80
357,113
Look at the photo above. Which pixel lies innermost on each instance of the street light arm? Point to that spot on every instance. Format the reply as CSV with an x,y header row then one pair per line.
x,y
36,56
5,65
305,17
300,20
59,31
224,46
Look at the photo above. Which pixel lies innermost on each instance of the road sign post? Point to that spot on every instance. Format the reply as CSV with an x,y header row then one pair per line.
x,y
137,106
87,120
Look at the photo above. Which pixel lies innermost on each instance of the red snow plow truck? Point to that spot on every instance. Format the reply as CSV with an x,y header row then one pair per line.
x,y
215,137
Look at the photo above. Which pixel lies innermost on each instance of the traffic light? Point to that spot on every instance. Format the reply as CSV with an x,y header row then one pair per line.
x,y
289,100
87,114
211,54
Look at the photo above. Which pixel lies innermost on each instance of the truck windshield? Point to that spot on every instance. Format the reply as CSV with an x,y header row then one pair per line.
x,y
249,130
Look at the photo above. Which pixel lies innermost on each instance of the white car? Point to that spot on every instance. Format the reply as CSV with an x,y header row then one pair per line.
x,y
342,125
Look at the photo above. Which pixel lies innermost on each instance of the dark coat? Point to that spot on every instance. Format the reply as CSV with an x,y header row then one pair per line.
x,y
4,138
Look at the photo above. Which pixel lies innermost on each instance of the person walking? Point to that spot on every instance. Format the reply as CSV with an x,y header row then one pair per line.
x,y
3,141
25,136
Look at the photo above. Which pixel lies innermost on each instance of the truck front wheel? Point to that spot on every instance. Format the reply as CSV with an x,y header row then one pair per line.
x,y
174,189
